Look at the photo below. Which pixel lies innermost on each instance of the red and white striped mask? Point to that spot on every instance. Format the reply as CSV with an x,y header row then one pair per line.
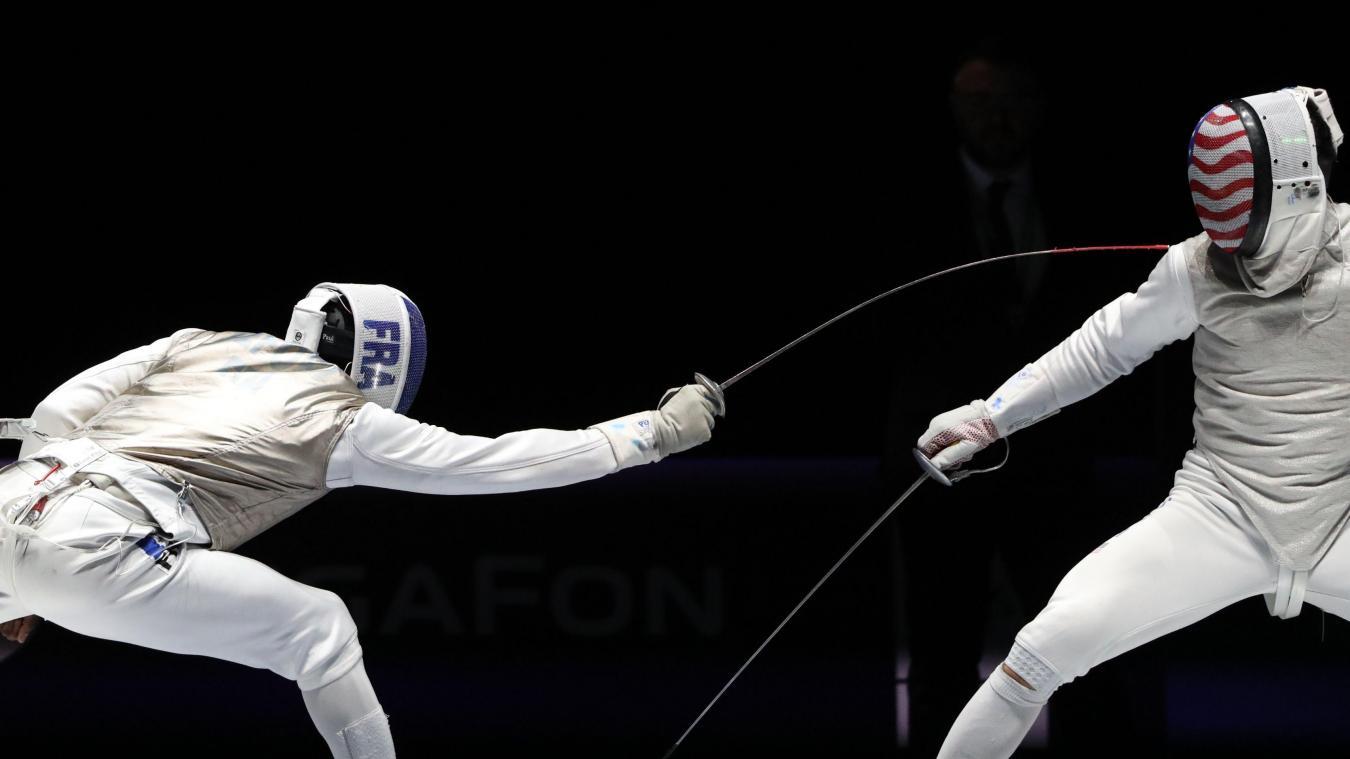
x,y
1223,177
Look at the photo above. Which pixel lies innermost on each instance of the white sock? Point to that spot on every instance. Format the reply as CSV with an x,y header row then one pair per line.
x,y
992,725
349,717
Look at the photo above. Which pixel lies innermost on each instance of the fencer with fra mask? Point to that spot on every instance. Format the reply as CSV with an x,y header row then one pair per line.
x,y
1260,504
138,477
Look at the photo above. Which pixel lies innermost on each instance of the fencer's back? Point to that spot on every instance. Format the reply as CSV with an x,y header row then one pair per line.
x,y
246,420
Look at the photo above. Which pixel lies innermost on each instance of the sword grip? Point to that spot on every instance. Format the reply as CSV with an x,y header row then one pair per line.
x,y
719,396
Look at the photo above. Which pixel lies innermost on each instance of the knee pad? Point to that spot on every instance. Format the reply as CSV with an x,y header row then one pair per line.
x,y
1038,673
369,737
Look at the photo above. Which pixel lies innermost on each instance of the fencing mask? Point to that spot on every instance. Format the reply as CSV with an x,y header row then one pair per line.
x,y
373,332
1258,171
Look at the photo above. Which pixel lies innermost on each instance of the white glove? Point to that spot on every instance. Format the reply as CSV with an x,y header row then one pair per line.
x,y
684,420
957,435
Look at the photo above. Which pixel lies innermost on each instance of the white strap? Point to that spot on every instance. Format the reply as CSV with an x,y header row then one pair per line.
x,y
74,456
307,319
1319,97
1322,102
19,429
1287,600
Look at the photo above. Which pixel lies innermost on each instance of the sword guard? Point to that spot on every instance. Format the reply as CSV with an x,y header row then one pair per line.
x,y
956,475
719,397
937,475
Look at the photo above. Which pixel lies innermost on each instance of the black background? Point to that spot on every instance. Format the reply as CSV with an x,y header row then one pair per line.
x,y
585,219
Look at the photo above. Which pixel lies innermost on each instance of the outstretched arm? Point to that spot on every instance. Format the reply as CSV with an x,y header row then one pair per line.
x,y
1111,343
385,449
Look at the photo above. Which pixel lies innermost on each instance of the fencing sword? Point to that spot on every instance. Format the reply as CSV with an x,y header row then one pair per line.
x,y
930,471
718,388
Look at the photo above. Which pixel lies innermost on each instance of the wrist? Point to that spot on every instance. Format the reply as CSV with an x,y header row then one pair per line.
x,y
633,439
1025,398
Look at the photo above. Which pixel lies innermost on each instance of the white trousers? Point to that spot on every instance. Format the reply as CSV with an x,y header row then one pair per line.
x,y
89,565
1190,557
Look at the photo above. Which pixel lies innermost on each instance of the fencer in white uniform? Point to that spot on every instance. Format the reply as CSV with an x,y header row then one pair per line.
x,y
1260,504
139,476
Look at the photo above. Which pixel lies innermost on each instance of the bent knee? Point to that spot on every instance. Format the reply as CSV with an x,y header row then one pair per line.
x,y
328,646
